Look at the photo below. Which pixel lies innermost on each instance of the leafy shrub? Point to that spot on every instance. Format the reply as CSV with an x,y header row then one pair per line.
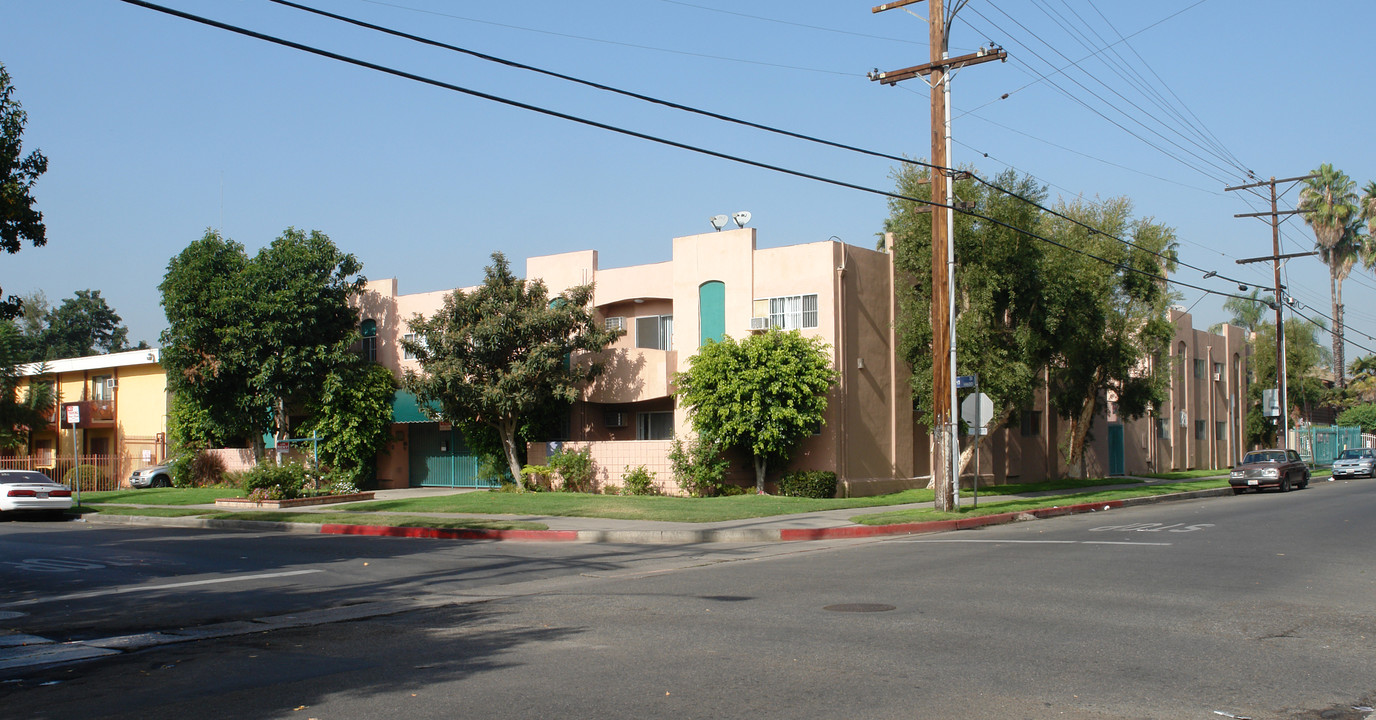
x,y
575,469
90,477
638,481
1361,415
808,484
533,477
276,482
206,469
699,467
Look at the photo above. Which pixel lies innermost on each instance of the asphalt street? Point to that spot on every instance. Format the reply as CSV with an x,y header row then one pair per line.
x,y
1259,606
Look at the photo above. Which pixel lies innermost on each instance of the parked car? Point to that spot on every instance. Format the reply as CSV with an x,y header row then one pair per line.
x,y
1280,469
32,491
1354,462
153,476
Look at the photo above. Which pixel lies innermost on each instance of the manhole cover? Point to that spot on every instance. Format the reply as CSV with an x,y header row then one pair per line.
x,y
859,607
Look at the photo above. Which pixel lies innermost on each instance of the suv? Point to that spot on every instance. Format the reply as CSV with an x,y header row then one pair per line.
x,y
152,476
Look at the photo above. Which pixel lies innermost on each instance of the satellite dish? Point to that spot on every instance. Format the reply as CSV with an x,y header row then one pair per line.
x,y
741,218
718,222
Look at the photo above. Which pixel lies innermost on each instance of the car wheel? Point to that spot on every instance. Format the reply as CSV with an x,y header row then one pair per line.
x,y
1305,482
1285,484
161,482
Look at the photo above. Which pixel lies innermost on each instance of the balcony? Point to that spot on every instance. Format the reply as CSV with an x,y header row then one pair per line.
x,y
632,375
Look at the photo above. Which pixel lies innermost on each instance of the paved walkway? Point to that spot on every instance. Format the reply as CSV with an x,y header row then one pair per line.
x,y
826,524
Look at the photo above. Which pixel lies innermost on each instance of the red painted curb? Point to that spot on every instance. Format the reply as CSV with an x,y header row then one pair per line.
x,y
438,534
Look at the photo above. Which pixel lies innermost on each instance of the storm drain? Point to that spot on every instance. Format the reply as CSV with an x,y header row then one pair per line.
x,y
859,607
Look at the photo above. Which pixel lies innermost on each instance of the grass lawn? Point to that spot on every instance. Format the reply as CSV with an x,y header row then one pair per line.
x,y
1005,506
672,509
162,496
164,511
390,520
1188,474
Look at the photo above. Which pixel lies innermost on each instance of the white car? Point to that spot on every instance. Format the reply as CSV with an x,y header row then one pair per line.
x,y
33,491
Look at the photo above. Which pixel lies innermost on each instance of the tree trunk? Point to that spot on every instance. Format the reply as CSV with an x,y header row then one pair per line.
x,y
1336,288
759,474
507,430
1079,428
967,455
281,424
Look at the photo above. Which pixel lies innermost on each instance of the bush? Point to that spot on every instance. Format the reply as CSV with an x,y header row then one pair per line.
x,y
533,477
808,484
638,481
274,482
206,469
1363,416
90,477
575,468
699,467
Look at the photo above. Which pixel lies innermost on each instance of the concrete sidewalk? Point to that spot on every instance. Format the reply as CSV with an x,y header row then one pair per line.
x,y
822,525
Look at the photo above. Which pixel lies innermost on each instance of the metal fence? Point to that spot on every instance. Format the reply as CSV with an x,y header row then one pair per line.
x,y
99,472
1321,445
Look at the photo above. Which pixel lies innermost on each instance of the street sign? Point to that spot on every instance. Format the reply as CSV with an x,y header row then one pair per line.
x,y
976,410
283,446
966,381
73,412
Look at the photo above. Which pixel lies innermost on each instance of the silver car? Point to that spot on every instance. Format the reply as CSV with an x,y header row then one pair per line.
x,y
152,476
1354,462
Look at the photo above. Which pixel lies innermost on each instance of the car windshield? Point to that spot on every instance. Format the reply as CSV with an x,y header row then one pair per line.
x,y
1263,457
1355,454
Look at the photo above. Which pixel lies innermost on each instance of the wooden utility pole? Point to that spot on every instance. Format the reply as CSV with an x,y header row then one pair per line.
x,y
945,462
1282,387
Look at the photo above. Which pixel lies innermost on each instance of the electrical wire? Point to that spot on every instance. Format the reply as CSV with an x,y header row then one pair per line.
x,y
644,136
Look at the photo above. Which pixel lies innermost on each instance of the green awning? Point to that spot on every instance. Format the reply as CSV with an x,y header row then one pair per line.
x,y
406,409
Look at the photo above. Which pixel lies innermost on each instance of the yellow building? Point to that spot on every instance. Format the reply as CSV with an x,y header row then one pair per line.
x,y
110,412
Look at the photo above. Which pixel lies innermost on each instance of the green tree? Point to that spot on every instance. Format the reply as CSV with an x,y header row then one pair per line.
x,y
19,411
352,417
248,339
1001,333
504,353
1246,312
763,394
1369,207
1329,204
1304,355
19,221
1107,312
82,325
1363,416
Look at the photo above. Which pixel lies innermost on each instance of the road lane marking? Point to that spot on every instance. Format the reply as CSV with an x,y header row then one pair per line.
x,y
1038,542
155,588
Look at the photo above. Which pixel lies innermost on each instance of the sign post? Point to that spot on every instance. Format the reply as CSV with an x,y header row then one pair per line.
x,y
973,410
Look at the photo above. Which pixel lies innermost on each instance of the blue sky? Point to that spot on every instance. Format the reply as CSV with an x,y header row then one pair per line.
x,y
157,128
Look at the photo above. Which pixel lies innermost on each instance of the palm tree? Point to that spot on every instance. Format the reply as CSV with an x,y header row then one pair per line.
x,y
1247,312
1329,204
1369,207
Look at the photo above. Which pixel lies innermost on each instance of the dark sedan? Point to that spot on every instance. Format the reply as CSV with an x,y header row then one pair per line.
x,y
1280,469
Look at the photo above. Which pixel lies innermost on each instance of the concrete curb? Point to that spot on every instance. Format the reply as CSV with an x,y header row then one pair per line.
x,y
675,536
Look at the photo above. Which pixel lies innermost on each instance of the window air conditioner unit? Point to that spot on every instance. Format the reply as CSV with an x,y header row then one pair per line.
x,y
759,323
614,419
109,383
615,323
1217,376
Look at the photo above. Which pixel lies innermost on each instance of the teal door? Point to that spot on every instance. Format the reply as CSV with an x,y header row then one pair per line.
x,y
439,458
1116,464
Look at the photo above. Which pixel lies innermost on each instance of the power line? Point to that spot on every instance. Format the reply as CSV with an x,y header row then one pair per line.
x,y
644,136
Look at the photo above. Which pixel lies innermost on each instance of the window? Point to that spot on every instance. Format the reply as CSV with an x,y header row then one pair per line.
x,y
655,332
793,312
1198,429
1031,423
1199,368
406,354
654,426
1220,431
369,332
1218,371
1163,429
102,388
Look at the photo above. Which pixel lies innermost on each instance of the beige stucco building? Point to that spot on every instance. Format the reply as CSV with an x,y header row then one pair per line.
x,y
111,411
721,283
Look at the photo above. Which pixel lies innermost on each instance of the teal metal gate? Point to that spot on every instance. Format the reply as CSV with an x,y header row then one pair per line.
x,y
1116,456
1320,445
440,458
